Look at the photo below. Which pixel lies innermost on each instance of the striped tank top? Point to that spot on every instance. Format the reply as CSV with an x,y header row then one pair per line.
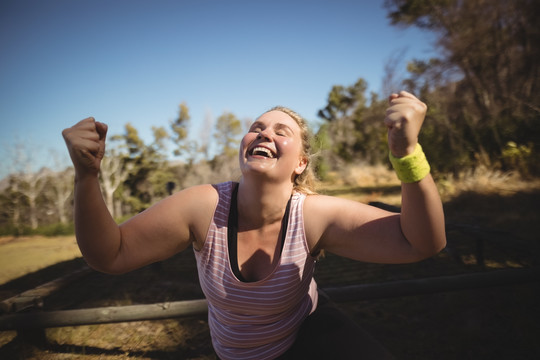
x,y
256,320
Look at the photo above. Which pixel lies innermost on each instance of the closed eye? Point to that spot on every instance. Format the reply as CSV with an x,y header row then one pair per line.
x,y
283,130
256,128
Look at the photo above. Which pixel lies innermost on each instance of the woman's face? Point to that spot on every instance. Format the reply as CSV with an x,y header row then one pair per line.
x,y
273,146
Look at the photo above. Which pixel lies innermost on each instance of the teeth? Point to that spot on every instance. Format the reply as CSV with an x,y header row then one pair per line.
x,y
264,151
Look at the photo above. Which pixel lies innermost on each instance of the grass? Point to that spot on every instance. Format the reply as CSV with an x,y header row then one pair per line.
x,y
498,210
22,255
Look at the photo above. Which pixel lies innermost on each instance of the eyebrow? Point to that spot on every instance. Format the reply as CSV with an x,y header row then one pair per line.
x,y
278,126
255,124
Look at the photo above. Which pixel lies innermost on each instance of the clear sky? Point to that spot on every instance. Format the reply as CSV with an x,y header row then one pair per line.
x,y
136,61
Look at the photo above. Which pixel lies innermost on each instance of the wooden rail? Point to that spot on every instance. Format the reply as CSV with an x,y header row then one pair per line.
x,y
40,320
433,285
103,315
34,298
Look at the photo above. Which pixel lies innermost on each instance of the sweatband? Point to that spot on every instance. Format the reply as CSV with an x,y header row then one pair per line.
x,y
411,168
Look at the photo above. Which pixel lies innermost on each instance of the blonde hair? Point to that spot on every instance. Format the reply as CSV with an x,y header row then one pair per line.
x,y
306,181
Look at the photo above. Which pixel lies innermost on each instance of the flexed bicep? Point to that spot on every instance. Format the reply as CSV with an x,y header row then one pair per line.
x,y
165,228
356,231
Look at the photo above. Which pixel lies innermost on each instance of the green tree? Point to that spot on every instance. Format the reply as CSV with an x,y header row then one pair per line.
x,y
227,134
180,137
149,170
489,51
344,101
355,131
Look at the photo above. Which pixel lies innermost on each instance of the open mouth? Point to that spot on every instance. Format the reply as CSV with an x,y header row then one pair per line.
x,y
262,151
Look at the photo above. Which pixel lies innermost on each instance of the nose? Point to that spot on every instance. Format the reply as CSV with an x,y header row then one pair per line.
x,y
264,134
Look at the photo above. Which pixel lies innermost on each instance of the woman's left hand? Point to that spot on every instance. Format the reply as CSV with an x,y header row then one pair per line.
x,y
404,118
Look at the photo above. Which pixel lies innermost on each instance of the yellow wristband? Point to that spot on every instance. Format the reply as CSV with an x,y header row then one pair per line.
x,y
411,168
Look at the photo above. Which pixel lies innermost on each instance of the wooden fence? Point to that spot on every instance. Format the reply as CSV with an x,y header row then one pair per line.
x,y
44,319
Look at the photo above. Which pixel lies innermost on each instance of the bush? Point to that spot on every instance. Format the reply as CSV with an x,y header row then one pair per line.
x,y
45,230
56,229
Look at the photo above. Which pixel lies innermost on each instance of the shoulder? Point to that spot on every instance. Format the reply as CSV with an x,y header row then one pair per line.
x,y
197,205
190,205
199,192
317,217
203,197
196,199
324,213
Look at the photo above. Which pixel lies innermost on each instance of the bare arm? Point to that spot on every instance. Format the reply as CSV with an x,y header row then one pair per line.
x,y
157,233
366,233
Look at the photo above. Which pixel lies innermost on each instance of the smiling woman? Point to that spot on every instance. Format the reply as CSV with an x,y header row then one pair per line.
x,y
257,241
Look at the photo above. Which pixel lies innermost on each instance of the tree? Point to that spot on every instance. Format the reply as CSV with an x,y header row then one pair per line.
x,y
25,183
179,129
31,185
353,130
228,130
489,49
21,164
61,187
204,136
344,102
14,201
114,170
227,133
149,175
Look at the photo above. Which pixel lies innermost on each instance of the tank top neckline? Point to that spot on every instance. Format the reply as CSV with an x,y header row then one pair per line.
x,y
232,233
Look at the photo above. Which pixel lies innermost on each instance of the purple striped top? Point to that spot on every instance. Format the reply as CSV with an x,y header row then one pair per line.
x,y
256,320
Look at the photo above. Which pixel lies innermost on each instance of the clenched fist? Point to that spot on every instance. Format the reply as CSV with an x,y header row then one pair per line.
x,y
404,118
86,144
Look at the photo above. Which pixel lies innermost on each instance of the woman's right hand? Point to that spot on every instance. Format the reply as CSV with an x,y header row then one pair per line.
x,y
86,144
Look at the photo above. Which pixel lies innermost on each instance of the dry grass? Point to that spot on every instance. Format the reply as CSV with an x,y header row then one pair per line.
x,y
366,183
484,181
23,255
363,183
355,175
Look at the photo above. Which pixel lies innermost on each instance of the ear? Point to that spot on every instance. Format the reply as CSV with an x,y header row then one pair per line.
x,y
302,164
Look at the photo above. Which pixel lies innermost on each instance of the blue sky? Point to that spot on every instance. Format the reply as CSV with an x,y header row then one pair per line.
x,y
136,61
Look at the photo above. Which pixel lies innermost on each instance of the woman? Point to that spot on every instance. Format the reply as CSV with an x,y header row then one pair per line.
x,y
256,242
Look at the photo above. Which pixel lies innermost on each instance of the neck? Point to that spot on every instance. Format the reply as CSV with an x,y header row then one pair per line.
x,y
262,203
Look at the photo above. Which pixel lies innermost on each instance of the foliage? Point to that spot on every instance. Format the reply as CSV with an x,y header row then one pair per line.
x,y
53,229
482,92
519,157
484,86
179,127
353,131
320,143
228,131
149,172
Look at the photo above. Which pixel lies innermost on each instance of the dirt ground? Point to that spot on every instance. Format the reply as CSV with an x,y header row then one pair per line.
x,y
485,233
